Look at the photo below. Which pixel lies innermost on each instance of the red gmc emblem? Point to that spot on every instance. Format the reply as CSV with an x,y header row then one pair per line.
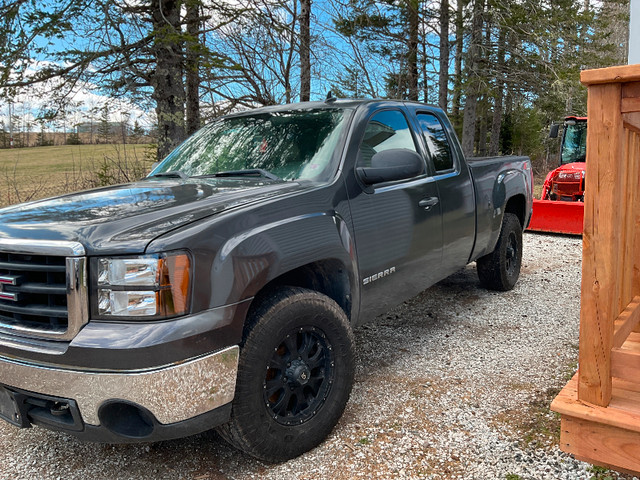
x,y
6,280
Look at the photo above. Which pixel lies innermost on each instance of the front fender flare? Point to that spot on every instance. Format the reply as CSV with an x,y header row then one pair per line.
x,y
249,260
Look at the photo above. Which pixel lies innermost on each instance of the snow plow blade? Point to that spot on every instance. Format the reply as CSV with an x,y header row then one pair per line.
x,y
557,217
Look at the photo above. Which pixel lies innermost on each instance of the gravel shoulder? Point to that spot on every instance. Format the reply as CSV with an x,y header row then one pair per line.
x,y
454,384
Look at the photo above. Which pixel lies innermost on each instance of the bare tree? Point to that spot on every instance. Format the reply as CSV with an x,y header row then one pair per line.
x,y
473,91
443,76
305,50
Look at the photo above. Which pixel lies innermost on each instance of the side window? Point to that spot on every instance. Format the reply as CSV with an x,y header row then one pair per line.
x,y
437,142
386,130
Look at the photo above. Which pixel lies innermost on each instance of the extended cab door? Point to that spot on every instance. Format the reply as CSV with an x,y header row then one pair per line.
x,y
455,190
397,224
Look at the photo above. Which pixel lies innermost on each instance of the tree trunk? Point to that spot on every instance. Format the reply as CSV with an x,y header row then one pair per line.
x,y
425,75
412,54
192,66
457,84
486,73
496,123
473,62
305,50
483,109
443,77
166,81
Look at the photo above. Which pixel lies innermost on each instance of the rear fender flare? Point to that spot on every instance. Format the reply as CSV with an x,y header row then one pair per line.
x,y
509,184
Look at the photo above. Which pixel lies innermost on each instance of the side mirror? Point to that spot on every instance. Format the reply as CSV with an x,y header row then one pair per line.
x,y
553,132
390,165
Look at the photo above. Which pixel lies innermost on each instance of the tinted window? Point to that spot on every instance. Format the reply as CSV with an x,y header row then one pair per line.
x,y
574,148
437,142
385,130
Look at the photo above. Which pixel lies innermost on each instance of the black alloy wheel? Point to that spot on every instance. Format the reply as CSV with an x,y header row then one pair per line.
x,y
511,257
299,376
295,374
500,269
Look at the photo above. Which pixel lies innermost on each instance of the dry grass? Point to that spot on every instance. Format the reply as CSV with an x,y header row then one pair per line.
x,y
37,172
538,181
534,425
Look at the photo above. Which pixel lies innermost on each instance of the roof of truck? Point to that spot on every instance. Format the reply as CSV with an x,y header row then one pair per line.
x,y
344,103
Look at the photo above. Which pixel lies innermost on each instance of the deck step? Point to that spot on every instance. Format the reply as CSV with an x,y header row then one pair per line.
x,y
606,436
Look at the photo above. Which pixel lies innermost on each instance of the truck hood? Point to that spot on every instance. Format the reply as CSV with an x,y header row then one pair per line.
x,y
125,218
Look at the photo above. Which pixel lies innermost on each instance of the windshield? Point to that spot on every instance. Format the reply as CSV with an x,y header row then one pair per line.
x,y
574,143
288,145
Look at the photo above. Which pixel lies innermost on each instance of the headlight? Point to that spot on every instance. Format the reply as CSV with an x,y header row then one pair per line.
x,y
146,286
570,176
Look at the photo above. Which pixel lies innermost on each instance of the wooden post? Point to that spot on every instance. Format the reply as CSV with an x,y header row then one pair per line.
x,y
601,265
635,279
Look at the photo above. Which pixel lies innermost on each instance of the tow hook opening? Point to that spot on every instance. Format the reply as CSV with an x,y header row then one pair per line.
x,y
126,419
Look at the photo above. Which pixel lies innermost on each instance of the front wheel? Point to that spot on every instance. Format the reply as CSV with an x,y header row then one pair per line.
x,y
500,269
295,375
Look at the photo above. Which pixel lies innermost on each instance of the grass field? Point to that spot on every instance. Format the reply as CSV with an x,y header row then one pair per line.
x,y
37,172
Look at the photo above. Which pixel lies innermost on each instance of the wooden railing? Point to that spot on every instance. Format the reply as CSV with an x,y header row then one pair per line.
x,y
611,238
600,406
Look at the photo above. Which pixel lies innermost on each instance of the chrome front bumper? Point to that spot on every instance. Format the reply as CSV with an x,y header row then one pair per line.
x,y
172,394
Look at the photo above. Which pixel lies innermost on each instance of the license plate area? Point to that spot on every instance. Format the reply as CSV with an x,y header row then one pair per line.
x,y
10,410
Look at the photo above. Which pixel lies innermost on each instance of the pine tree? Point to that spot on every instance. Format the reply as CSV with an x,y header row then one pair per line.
x,y
137,133
104,127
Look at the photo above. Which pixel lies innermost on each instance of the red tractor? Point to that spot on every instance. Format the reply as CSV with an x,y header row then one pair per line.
x,y
561,207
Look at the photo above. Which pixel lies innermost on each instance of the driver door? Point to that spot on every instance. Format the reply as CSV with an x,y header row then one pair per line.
x,y
398,225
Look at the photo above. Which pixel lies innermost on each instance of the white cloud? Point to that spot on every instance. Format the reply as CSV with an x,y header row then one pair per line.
x,y
85,101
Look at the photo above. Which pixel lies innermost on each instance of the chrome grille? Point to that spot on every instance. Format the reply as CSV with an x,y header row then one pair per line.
x,y
42,290
33,293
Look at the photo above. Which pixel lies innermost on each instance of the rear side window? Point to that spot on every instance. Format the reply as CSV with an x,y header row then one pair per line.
x,y
386,130
437,142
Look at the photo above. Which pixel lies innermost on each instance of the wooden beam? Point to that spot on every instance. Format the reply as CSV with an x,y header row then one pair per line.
x,y
626,230
630,105
630,97
624,73
602,444
635,208
625,365
632,121
601,253
620,385
633,342
567,403
626,322
631,90
624,398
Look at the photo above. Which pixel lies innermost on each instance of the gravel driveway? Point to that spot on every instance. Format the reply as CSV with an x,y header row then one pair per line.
x,y
453,384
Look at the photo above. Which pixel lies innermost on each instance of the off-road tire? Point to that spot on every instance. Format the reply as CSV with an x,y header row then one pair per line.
x,y
500,269
291,321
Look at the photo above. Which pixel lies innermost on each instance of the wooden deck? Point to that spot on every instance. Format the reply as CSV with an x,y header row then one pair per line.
x,y
600,406
607,436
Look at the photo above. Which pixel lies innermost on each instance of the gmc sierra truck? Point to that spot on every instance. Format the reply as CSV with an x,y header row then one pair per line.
x,y
222,289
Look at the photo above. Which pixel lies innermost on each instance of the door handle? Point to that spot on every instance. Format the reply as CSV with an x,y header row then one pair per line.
x,y
427,203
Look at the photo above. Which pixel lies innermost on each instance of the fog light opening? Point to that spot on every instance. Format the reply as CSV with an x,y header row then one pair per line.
x,y
126,419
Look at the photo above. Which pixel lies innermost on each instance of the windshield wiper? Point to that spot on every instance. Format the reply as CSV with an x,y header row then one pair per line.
x,y
250,172
171,174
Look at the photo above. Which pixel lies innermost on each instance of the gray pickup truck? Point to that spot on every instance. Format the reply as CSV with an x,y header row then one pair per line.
x,y
222,289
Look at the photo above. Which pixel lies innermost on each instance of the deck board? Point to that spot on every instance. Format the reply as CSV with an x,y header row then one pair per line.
x,y
567,403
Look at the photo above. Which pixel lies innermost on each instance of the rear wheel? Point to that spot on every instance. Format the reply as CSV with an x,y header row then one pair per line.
x,y
295,375
500,269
